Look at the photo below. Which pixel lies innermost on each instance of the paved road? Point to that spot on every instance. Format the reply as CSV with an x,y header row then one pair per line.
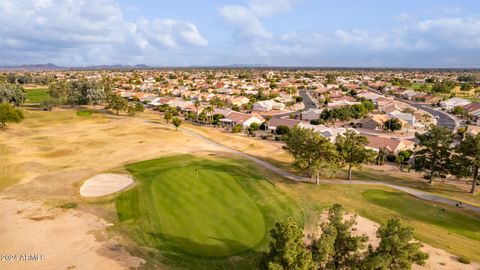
x,y
417,193
443,118
307,101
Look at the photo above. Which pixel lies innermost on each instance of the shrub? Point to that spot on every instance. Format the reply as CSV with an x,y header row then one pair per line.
x,y
464,260
237,129
391,158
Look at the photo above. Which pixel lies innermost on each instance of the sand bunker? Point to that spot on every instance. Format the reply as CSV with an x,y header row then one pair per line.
x,y
105,184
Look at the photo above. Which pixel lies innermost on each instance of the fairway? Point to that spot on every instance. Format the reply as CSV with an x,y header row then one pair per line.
x,y
37,95
201,207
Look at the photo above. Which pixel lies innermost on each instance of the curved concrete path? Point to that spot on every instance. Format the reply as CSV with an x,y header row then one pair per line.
x,y
414,192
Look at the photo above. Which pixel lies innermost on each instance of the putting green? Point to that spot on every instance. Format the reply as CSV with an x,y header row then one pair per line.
x,y
203,207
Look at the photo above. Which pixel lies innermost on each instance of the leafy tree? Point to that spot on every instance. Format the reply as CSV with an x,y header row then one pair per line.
x,y
434,151
337,248
176,122
49,103
117,103
352,150
381,156
466,87
312,153
8,114
253,127
282,130
298,99
12,94
467,158
287,251
61,91
396,250
402,158
392,124
167,116
237,128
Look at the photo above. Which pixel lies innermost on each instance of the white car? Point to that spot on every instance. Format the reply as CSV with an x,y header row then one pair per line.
x,y
437,117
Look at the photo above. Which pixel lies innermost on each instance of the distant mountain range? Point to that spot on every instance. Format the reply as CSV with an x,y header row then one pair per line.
x,y
49,67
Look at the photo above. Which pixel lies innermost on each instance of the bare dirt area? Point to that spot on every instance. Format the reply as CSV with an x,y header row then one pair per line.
x,y
45,158
62,239
438,258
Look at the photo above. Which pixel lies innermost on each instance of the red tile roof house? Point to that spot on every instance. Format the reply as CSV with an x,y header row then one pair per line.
x,y
236,118
393,145
275,122
473,108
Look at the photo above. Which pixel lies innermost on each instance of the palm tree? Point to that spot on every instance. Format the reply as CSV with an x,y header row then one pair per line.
x,y
197,106
209,112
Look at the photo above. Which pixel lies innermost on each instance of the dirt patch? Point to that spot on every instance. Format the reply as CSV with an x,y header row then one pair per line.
x,y
64,239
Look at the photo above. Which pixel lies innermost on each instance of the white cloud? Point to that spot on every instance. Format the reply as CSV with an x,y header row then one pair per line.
x,y
85,31
245,22
270,7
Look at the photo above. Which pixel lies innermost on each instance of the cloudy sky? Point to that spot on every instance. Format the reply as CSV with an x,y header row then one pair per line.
x,y
350,33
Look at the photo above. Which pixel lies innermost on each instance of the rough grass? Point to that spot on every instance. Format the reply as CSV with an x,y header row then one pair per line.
x,y
37,95
199,212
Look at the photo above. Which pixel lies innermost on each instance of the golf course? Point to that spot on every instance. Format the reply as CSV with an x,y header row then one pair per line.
x,y
202,210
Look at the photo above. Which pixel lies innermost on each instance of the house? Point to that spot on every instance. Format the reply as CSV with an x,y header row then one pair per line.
x,y
267,105
375,122
409,94
449,104
392,145
311,114
473,108
236,118
341,103
330,133
239,100
407,117
276,121
370,96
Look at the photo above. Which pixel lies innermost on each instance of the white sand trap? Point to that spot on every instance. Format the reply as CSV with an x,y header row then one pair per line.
x,y
105,184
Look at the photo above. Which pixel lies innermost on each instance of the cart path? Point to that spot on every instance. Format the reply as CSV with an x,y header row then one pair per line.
x,y
414,192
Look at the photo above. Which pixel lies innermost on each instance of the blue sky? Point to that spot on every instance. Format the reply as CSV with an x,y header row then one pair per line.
x,y
347,33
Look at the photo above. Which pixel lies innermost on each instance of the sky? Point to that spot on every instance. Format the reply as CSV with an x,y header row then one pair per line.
x,y
315,33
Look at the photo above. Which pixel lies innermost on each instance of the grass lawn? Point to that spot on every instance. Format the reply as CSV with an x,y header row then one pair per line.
x,y
440,188
84,112
199,212
37,95
417,86
455,230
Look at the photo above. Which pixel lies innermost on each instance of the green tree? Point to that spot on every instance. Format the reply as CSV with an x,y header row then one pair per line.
x,y
312,153
465,88
397,250
352,150
287,251
237,128
176,122
282,130
167,116
337,248
434,151
392,124
117,103
467,158
49,103
8,114
12,93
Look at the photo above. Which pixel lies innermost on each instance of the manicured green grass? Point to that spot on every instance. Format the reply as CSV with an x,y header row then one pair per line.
x,y
37,95
417,86
455,230
449,219
84,112
199,212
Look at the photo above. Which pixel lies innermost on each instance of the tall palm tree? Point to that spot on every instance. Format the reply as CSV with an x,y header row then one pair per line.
x,y
197,106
